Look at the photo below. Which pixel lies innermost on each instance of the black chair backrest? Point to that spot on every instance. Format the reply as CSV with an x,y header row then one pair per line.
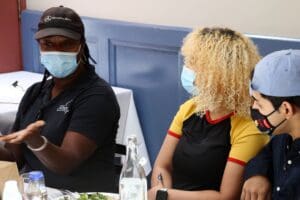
x,y
120,150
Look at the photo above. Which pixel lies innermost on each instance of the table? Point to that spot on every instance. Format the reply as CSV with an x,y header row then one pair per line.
x,y
11,93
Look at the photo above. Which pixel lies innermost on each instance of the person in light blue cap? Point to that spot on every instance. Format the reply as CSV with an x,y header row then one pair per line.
x,y
275,87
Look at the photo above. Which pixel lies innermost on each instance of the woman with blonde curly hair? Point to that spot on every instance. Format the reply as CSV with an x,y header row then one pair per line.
x,y
212,136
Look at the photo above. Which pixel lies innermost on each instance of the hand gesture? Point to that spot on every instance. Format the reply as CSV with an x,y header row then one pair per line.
x,y
29,134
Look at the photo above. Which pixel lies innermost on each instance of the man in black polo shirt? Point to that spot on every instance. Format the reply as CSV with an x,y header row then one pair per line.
x,y
66,125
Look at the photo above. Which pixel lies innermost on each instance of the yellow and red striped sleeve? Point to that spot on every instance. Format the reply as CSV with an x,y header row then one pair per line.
x,y
246,140
184,112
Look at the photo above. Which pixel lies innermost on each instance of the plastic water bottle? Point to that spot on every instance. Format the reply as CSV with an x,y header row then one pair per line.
x,y
133,182
36,189
11,191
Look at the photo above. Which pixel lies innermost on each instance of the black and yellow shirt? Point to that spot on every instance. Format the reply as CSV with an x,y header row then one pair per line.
x,y
205,145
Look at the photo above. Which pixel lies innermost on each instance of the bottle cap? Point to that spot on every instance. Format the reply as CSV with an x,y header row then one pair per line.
x,y
132,138
36,175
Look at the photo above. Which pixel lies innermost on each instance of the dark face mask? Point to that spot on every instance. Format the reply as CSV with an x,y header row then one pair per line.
x,y
262,122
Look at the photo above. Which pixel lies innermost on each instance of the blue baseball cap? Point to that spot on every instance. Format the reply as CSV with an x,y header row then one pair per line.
x,y
278,74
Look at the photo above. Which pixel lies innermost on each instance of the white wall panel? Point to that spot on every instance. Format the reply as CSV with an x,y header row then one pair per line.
x,y
262,17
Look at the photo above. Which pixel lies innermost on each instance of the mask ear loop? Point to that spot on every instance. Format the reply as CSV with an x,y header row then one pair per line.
x,y
271,113
273,127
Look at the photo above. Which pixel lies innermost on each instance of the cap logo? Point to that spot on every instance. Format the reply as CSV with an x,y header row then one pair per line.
x,y
49,18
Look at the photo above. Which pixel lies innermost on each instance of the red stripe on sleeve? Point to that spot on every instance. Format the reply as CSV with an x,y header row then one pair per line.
x,y
237,161
173,134
215,121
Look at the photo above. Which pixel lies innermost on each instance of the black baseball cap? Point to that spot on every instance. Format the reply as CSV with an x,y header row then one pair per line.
x,y
61,21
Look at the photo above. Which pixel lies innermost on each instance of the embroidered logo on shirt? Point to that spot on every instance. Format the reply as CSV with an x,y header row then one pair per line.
x,y
64,108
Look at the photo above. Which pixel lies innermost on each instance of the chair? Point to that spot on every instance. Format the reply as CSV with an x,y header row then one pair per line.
x,y
120,150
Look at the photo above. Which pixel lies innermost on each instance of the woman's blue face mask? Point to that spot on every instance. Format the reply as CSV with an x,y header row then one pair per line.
x,y
59,64
187,80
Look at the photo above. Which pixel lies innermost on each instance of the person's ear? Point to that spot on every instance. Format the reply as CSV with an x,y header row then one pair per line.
x,y
287,109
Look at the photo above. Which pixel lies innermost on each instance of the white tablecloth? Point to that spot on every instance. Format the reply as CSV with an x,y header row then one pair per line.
x,y
10,96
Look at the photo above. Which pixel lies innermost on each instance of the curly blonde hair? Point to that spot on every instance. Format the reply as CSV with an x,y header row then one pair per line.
x,y
223,60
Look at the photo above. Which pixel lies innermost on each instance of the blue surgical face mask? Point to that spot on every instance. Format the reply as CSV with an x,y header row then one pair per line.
x,y
187,80
59,64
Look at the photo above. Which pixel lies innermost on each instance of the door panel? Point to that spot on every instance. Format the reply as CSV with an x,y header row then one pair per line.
x,y
10,49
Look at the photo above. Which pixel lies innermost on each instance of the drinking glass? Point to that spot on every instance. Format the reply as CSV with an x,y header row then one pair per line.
x,y
32,186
